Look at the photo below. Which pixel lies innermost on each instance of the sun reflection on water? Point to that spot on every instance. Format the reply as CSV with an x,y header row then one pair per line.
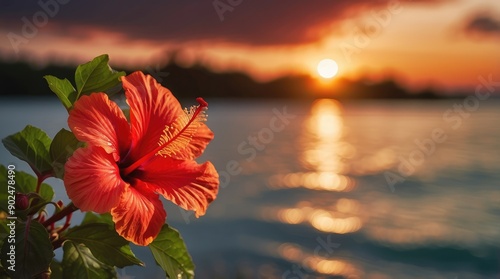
x,y
323,152
340,218
327,181
324,158
323,148
312,261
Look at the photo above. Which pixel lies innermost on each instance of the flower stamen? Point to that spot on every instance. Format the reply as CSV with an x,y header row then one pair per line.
x,y
176,136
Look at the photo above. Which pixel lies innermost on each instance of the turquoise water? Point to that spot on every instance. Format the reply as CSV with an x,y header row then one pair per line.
x,y
368,189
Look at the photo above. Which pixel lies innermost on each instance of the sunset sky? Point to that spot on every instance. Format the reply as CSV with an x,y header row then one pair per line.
x,y
441,43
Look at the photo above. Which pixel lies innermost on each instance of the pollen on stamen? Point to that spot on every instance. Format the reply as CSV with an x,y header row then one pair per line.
x,y
165,138
177,136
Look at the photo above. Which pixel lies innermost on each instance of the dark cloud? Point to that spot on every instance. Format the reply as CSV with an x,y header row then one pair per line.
x,y
484,24
254,22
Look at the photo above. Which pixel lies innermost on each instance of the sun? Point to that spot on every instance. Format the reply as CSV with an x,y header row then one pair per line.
x,y
327,68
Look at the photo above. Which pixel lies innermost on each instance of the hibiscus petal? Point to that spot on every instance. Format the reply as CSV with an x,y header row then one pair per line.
x,y
186,183
92,180
152,107
139,216
100,122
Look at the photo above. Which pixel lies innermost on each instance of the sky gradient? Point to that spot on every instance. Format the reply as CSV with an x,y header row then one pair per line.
x,y
441,43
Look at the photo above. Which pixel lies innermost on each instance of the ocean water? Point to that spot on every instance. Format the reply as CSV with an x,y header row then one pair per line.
x,y
323,189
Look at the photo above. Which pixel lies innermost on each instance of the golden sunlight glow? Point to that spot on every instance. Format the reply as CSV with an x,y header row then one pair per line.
x,y
323,148
321,181
314,261
325,157
327,68
340,218
323,153
325,120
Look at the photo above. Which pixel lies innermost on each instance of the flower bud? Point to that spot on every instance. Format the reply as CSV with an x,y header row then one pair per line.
x,y
22,201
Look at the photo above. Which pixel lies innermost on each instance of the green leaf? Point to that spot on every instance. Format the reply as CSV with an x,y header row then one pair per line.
x,y
96,76
4,231
32,146
105,244
56,271
25,183
33,250
171,254
91,218
63,89
79,263
3,274
62,147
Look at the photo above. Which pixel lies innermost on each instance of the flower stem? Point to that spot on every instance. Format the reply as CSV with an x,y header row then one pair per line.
x,y
38,184
58,243
40,178
66,224
69,209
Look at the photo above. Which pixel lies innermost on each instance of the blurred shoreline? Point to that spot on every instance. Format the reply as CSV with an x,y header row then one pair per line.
x,y
21,79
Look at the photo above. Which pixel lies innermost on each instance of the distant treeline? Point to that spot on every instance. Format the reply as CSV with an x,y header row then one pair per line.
x,y
21,79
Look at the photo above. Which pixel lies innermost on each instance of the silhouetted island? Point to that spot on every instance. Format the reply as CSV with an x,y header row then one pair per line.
x,y
21,79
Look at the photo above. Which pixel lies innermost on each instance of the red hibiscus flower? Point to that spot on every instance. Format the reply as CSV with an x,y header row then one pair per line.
x,y
125,167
